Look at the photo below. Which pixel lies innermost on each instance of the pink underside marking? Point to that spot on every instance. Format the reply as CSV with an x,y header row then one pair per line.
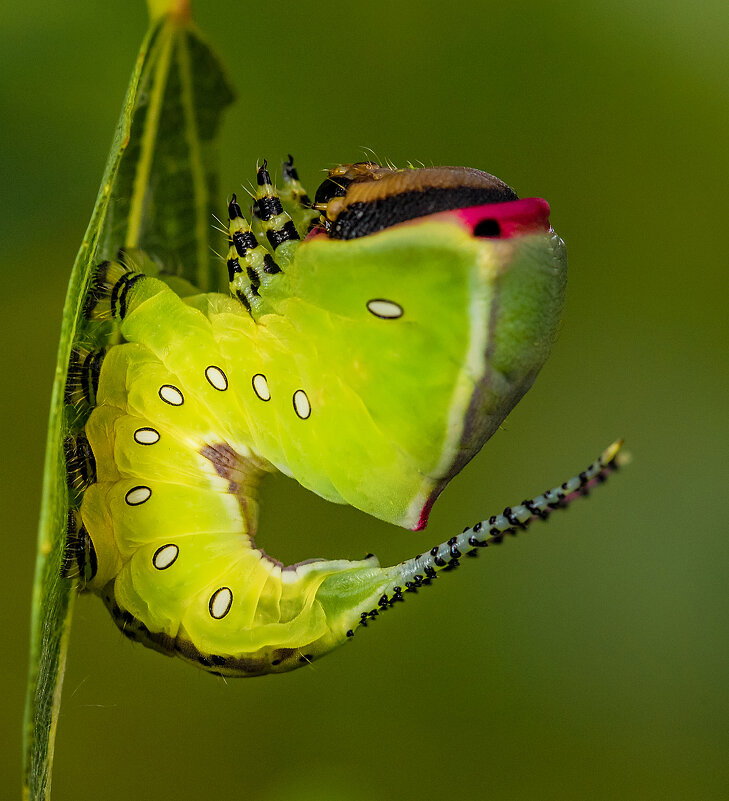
x,y
515,217
425,512
423,519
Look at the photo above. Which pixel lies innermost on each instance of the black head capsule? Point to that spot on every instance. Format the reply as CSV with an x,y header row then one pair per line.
x,y
337,183
329,189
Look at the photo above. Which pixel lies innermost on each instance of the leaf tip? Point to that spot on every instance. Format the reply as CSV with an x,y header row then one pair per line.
x,y
178,10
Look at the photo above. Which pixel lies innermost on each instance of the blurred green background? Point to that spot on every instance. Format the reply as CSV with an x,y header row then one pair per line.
x,y
586,659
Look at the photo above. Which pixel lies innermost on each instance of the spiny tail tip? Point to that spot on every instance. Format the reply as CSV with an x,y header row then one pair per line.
x,y
614,454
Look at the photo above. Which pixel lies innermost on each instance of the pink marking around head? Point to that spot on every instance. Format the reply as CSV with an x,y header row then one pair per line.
x,y
489,221
530,215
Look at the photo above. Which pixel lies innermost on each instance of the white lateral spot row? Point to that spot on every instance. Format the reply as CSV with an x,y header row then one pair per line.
x,y
302,407
220,601
215,376
217,379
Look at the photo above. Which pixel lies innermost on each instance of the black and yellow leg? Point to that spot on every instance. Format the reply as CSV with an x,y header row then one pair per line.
x,y
294,198
250,265
273,221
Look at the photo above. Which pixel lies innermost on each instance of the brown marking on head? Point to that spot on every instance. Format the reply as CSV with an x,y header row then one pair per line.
x,y
373,185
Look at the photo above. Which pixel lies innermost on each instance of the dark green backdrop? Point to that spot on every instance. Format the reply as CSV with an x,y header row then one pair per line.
x,y
584,660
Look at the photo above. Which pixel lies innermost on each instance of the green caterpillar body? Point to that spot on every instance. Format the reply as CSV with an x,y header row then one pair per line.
x,y
368,352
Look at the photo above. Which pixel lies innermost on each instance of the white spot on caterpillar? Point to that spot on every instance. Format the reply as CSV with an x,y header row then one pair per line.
x,y
386,309
165,556
171,395
146,436
220,602
302,407
260,387
138,495
216,377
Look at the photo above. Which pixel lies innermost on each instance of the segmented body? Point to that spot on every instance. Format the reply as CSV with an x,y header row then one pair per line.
x,y
369,366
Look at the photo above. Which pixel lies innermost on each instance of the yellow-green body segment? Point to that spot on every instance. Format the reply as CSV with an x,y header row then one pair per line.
x,y
369,369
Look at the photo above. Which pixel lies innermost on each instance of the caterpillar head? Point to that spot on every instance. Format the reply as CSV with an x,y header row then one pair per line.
x,y
437,294
363,198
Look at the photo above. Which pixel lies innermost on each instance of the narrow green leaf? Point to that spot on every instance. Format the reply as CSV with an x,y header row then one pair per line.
x,y
166,190
157,194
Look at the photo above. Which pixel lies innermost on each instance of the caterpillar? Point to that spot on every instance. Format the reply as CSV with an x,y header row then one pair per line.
x,y
372,340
